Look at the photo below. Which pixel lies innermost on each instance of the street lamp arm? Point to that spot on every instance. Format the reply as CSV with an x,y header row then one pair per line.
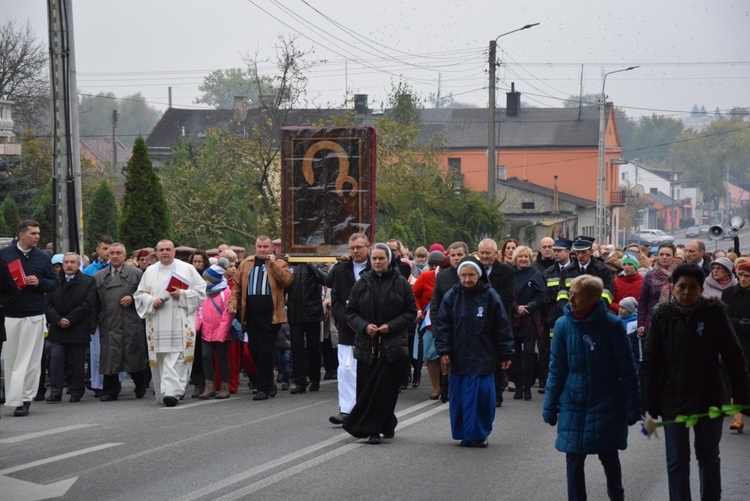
x,y
517,29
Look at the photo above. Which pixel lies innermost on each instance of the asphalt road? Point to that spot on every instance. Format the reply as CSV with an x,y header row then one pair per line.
x,y
284,448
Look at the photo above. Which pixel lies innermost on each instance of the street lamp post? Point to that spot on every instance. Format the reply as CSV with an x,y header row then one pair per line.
x,y
601,181
491,154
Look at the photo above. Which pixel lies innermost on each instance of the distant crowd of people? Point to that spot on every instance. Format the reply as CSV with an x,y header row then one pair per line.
x,y
606,335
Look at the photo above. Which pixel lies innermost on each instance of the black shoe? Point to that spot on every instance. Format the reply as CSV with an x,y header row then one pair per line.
x,y
53,400
511,389
261,395
298,388
75,398
108,397
416,380
168,400
314,386
389,435
329,375
498,404
527,393
284,385
518,395
140,392
98,393
340,418
374,440
542,390
273,391
477,444
403,386
39,397
22,410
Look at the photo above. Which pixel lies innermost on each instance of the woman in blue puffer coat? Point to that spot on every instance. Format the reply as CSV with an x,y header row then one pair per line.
x,y
592,387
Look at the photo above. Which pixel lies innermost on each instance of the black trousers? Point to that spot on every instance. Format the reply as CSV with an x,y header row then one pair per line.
x,y
305,340
261,340
524,359
63,355
111,382
544,346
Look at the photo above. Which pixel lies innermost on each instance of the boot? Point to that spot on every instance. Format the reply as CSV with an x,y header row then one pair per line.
x,y
200,384
737,423
223,392
208,390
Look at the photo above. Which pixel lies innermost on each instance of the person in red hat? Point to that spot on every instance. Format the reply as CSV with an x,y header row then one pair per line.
x,y
737,299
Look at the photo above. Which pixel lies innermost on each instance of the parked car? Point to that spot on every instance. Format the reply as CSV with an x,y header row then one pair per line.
x,y
658,237
703,231
693,232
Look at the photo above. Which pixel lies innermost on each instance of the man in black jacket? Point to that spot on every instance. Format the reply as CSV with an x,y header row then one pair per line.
x,y
24,321
70,317
9,295
305,314
585,264
500,276
695,251
561,251
341,279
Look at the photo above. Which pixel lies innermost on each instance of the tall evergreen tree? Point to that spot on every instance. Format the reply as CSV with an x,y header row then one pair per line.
x,y
11,213
4,230
44,214
145,213
102,216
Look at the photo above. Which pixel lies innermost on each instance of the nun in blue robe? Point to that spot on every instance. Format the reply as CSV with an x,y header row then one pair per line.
x,y
473,335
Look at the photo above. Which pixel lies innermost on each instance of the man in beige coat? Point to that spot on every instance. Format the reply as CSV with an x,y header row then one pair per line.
x,y
258,295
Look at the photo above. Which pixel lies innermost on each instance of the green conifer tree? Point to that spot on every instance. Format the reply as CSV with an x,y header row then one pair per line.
x,y
4,230
102,216
145,214
44,214
11,213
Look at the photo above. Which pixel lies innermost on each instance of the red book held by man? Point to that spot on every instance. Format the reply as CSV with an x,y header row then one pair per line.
x,y
176,281
16,270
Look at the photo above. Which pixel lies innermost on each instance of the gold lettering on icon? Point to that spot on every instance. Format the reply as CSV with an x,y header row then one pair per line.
x,y
343,177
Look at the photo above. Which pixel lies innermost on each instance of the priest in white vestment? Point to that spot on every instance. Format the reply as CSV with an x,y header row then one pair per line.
x,y
168,297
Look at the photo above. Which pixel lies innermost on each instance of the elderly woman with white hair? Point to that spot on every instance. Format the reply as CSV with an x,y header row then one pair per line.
x,y
472,334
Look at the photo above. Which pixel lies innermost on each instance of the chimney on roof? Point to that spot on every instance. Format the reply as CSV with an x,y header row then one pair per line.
x,y
513,100
360,104
240,108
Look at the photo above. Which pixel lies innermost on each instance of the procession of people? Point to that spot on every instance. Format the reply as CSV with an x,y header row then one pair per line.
x,y
501,317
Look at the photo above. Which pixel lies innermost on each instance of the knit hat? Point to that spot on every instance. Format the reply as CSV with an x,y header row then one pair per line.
x,y
437,247
744,266
629,259
434,258
214,277
725,262
629,303
57,259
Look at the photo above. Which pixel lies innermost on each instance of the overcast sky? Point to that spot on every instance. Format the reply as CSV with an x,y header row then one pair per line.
x,y
689,52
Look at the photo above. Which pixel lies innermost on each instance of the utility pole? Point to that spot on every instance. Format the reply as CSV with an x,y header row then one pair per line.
x,y
114,146
66,147
491,150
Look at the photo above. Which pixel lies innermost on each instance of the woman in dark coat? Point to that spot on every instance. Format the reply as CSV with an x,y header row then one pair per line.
x,y
737,299
592,386
531,295
381,310
689,336
471,334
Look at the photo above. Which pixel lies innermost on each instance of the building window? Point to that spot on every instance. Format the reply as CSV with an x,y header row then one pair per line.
x,y
527,205
454,164
624,176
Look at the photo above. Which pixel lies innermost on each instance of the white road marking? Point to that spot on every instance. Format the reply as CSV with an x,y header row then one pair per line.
x,y
209,489
52,459
53,431
278,477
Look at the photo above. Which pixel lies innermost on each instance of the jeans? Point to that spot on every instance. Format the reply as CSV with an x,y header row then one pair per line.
x,y
284,364
577,479
677,441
